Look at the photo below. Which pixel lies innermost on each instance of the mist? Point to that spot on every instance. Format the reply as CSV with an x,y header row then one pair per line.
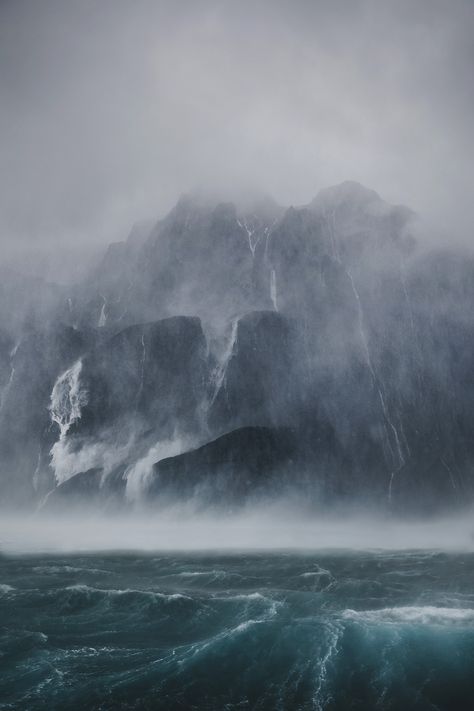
x,y
236,254
272,526
110,111
236,354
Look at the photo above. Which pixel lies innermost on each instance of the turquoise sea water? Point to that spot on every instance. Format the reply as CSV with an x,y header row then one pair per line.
x,y
287,630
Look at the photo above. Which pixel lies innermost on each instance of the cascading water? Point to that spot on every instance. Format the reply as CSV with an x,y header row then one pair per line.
x,y
330,223
273,289
11,378
249,232
397,459
142,370
139,474
103,314
218,376
7,387
68,398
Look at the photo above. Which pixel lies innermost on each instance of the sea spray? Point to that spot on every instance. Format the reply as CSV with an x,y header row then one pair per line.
x,y
138,474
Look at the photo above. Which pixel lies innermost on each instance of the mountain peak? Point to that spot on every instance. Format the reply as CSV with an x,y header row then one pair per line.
x,y
349,191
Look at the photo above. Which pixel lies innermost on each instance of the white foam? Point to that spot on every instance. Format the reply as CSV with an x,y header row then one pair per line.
x,y
416,615
4,588
139,475
116,592
316,573
216,574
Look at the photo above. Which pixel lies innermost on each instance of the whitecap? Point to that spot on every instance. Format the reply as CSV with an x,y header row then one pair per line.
x,y
245,596
56,569
417,615
215,574
4,588
316,573
79,587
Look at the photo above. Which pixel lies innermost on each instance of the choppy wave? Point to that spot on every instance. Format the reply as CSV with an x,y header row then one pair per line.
x,y
60,569
260,631
89,591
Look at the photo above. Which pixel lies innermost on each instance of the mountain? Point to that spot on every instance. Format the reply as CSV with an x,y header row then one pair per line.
x,y
192,347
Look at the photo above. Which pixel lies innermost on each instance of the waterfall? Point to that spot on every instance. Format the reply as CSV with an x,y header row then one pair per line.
x,y
450,473
103,315
139,474
398,460
36,473
273,289
330,220
252,234
142,370
218,376
7,387
12,376
67,399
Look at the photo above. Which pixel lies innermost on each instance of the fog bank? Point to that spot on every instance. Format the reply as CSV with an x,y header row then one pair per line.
x,y
110,110
271,528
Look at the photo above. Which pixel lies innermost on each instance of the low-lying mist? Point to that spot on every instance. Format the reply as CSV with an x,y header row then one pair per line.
x,y
275,526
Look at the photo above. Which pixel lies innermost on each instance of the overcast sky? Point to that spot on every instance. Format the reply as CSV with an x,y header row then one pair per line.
x,y
110,109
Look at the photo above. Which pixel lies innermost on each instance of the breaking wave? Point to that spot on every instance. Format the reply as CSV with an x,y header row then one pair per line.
x,y
230,630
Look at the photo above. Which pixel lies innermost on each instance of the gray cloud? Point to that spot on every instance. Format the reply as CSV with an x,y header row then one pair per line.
x,y
109,110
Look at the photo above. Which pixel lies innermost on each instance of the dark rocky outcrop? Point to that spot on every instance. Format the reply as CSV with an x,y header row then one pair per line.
x,y
36,361
323,319
81,490
153,372
227,470
253,385
88,490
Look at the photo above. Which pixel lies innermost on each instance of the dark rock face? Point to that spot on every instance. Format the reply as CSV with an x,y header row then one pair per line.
x,y
198,261
145,384
155,372
81,490
253,384
35,362
322,319
87,490
6,348
228,469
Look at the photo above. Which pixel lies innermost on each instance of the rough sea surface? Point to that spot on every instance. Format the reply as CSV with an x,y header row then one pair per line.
x,y
288,630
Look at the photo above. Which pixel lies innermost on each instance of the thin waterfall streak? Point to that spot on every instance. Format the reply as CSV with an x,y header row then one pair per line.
x,y
273,290
450,472
103,315
390,487
393,428
142,370
386,415
249,233
7,387
218,376
407,296
37,471
330,219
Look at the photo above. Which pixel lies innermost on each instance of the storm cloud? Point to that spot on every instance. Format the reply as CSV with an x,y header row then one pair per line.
x,y
110,110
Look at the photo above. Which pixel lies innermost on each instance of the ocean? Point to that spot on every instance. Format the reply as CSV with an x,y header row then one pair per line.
x,y
291,629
